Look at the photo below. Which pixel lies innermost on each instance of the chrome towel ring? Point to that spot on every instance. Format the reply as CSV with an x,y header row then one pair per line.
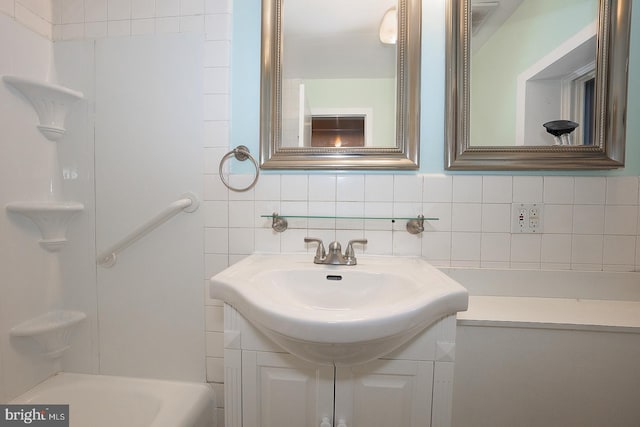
x,y
241,152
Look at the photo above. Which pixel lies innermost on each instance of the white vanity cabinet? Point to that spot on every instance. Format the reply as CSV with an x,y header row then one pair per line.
x,y
266,387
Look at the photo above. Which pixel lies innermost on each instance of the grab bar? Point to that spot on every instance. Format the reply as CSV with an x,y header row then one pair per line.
x,y
189,203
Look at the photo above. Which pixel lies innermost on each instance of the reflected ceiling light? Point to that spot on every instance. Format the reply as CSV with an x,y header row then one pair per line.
x,y
389,26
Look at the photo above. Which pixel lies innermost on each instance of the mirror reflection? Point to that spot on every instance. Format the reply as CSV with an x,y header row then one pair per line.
x,y
340,84
338,74
533,66
536,84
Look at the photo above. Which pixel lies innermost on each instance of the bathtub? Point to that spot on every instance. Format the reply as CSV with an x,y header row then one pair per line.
x,y
547,348
107,401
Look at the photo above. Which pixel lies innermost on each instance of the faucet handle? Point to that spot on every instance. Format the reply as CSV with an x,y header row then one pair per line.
x,y
349,253
320,252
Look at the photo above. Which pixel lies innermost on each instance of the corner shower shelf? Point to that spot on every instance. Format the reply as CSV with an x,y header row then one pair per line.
x,y
51,102
415,225
52,218
51,330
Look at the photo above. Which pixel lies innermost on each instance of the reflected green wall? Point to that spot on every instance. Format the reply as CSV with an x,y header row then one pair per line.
x,y
377,94
535,29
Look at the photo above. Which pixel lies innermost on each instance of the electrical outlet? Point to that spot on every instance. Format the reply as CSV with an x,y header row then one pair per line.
x,y
526,218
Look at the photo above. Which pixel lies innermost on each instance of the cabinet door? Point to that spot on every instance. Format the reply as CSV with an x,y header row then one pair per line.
x,y
280,390
385,393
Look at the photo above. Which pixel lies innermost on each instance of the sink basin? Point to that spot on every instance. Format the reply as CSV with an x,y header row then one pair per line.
x,y
338,315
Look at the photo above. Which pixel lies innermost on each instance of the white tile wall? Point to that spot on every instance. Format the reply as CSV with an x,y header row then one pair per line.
x,y
474,226
37,15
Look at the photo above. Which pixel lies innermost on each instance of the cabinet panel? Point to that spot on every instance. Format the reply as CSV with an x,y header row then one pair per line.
x,y
280,390
385,393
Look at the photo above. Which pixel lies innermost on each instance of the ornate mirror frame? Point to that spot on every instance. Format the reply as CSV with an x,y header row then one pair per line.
x,y
607,152
405,154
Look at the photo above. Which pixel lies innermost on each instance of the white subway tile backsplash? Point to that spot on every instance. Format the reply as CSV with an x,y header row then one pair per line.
x,y
496,217
96,10
267,240
437,189
140,9
191,7
267,187
621,220
495,247
559,190
95,30
622,190
407,188
119,28
465,246
118,9
619,250
216,80
216,240
218,27
215,369
214,319
72,31
33,21
218,6
216,213
294,187
436,246
143,26
216,133
217,53
241,240
526,248
322,188
586,250
467,189
378,188
167,8
497,189
590,190
527,189
241,213
556,249
558,218
192,24
466,217
72,11
214,264
405,244
216,106
379,242
292,240
588,219
350,188
442,211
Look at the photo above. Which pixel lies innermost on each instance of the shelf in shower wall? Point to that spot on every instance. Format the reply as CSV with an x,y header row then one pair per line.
x,y
51,102
51,330
52,218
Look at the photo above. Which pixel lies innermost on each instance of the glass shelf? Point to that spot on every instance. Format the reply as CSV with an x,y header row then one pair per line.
x,y
395,218
415,224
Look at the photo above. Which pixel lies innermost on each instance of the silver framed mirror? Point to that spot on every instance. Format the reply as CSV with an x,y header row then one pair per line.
x,y
310,116
537,133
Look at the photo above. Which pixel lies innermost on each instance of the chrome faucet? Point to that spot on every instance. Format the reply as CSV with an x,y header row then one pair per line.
x,y
335,256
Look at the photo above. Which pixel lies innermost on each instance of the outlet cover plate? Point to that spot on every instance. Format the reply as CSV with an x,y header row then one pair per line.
x,y
526,218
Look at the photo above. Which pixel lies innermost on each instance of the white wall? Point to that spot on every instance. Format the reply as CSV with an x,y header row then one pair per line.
x,y
31,278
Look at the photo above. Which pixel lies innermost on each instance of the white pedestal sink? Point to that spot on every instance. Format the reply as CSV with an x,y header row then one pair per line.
x,y
338,315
